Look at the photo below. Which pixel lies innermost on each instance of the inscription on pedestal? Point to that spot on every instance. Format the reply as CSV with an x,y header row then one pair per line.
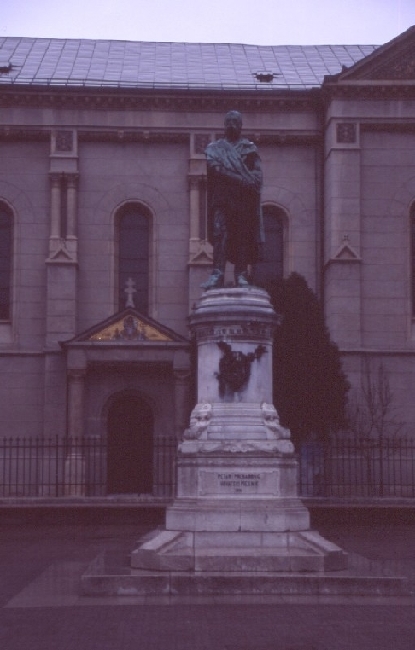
x,y
239,482
236,332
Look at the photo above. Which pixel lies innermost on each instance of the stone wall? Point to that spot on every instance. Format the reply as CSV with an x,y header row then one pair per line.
x,y
369,183
388,169
110,175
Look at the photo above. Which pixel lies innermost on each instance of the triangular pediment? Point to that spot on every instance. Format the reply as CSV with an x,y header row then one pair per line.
x,y
129,327
346,253
392,62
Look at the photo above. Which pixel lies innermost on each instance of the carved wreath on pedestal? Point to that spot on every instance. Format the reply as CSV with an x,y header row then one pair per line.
x,y
235,367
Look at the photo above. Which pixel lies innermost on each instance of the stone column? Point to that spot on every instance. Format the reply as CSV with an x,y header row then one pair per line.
x,y
194,208
71,211
76,390
181,375
200,251
181,395
71,198
55,208
75,462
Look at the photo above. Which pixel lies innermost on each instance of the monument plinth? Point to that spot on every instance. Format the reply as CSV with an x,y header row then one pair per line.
x,y
237,507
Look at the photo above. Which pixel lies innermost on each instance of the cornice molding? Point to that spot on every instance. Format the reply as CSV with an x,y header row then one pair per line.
x,y
368,90
10,134
24,135
262,139
391,127
386,352
187,100
111,135
281,139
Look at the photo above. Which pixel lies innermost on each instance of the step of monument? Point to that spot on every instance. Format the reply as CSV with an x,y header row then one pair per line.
x,y
250,552
256,560
237,551
103,582
232,559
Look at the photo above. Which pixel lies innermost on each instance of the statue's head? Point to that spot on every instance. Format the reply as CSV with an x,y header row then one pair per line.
x,y
233,125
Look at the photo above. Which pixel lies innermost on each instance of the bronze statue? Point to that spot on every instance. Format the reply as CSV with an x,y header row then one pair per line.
x,y
234,180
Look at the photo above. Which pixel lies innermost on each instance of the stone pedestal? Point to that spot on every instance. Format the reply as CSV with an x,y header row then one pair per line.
x,y
237,508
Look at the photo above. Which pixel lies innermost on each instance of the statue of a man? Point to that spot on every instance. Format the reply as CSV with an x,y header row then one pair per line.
x,y
234,179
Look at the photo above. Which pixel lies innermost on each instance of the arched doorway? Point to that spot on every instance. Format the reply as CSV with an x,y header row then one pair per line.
x,y
130,445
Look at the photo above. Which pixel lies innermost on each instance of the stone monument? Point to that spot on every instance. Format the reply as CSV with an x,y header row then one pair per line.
x,y
237,524
237,507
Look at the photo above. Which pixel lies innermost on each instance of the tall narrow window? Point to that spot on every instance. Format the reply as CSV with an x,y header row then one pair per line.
x,y
203,229
412,226
6,246
271,265
133,225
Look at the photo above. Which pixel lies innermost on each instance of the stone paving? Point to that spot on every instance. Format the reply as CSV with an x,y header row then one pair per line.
x,y
41,607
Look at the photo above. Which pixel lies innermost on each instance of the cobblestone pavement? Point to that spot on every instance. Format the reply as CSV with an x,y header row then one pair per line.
x,y
41,608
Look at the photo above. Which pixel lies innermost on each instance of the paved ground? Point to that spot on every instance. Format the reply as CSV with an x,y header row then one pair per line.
x,y
41,608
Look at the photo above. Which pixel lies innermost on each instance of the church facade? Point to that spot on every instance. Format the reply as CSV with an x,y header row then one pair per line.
x,y
103,238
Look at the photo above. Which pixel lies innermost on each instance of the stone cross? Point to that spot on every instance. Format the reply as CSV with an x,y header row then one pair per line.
x,y
130,290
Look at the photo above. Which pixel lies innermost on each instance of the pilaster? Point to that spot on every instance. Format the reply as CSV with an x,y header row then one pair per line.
x,y
200,251
342,271
181,400
55,209
61,264
75,461
71,215
76,402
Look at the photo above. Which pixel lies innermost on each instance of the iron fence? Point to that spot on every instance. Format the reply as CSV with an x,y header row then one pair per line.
x,y
355,467
345,468
48,467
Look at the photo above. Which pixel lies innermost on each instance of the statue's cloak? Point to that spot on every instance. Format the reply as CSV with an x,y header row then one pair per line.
x,y
234,180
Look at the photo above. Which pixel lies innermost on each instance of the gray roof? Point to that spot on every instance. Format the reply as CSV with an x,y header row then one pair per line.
x,y
126,64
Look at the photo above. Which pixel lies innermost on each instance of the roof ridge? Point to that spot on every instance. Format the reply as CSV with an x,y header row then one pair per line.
x,y
238,43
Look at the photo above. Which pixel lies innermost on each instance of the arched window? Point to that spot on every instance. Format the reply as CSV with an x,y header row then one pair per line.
x,y
133,235
271,266
412,228
6,248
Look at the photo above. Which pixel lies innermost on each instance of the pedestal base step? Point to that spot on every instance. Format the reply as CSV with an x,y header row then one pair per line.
x,y
238,551
145,583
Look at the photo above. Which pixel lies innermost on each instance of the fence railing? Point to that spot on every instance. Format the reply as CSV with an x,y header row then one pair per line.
x,y
47,467
356,467
346,468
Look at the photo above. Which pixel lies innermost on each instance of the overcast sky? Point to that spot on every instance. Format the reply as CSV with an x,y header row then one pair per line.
x,y
262,22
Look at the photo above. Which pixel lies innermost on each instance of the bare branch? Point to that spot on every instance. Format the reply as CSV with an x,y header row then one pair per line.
x,y
371,412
